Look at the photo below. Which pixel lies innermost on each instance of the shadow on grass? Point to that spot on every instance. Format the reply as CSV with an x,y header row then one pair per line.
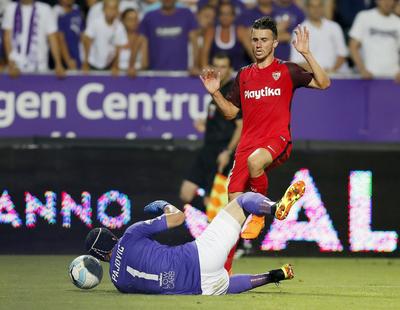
x,y
105,292
96,292
319,295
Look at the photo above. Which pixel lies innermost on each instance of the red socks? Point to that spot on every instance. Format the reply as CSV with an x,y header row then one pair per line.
x,y
259,184
229,259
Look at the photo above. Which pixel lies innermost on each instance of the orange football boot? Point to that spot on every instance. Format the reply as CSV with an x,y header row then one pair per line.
x,y
255,223
292,194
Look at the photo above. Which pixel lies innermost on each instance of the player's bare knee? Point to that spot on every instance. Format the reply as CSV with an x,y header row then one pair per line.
x,y
232,196
255,164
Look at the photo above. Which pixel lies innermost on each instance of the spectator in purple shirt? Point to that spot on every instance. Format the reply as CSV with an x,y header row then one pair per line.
x,y
139,264
287,16
169,31
70,27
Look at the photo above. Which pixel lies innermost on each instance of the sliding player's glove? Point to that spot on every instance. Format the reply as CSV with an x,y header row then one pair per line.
x,y
156,207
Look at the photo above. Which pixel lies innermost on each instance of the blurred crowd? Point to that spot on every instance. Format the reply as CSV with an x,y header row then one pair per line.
x,y
127,36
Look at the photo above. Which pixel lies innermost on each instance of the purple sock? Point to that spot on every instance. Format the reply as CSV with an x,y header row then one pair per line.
x,y
245,282
256,203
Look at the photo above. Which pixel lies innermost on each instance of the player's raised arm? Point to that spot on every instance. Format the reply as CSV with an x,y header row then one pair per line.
x,y
301,44
212,82
174,216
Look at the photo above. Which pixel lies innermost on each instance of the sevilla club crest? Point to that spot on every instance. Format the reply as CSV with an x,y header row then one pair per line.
x,y
276,75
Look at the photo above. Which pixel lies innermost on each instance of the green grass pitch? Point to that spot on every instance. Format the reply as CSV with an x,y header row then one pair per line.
x,y
41,282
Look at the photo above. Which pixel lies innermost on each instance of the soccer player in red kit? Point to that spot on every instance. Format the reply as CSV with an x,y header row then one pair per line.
x,y
263,91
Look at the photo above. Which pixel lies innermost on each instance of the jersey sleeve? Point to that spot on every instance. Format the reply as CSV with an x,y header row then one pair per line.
x,y
339,41
234,94
90,30
144,28
300,77
192,22
8,17
149,227
121,38
51,21
357,29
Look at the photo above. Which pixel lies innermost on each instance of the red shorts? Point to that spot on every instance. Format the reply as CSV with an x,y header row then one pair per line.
x,y
239,176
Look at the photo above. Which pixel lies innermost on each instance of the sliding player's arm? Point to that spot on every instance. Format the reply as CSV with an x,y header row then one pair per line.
x,y
320,78
174,217
171,217
212,82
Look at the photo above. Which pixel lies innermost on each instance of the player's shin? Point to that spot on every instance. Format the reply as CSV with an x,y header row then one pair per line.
x,y
245,282
259,184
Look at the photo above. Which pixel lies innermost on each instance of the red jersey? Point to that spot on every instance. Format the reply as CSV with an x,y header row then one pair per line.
x,y
264,96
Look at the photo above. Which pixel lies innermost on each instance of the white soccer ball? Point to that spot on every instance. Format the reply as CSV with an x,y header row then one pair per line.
x,y
85,272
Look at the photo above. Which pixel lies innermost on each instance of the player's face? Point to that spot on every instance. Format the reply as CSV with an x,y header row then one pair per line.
x,y
222,65
315,9
263,43
131,21
385,6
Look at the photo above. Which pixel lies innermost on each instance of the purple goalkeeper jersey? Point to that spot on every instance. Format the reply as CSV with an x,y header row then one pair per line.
x,y
141,265
168,37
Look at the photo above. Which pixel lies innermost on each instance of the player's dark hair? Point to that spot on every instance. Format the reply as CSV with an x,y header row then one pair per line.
x,y
100,242
266,22
222,55
126,12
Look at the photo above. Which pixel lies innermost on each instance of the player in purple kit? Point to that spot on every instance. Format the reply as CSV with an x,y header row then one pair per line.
x,y
139,264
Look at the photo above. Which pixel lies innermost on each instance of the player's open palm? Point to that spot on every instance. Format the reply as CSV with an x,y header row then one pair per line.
x,y
211,80
301,42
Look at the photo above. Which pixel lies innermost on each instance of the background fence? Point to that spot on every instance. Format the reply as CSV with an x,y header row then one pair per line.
x,y
165,107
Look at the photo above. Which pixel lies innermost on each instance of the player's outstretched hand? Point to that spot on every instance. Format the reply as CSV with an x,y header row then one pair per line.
x,y
156,207
301,43
211,80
